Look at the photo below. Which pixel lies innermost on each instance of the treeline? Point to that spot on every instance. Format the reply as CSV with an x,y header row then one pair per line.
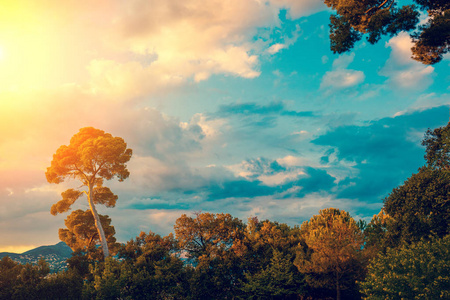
x,y
402,253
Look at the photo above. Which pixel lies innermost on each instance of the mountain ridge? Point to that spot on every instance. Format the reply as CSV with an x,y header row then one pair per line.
x,y
56,255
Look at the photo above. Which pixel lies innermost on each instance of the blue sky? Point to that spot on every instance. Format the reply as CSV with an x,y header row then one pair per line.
x,y
238,108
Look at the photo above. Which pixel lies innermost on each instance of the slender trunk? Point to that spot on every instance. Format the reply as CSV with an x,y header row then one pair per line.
x,y
98,224
338,288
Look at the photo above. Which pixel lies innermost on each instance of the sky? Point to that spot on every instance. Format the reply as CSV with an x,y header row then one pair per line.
x,y
231,106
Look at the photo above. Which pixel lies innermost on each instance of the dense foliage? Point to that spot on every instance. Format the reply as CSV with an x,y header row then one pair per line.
x,y
376,18
82,235
420,206
418,271
34,282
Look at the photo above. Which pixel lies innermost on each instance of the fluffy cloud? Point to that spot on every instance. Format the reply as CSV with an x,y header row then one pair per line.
x,y
128,49
341,77
402,71
194,39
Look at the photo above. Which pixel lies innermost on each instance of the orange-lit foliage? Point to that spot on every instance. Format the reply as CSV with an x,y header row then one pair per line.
x,y
207,234
333,249
211,242
91,157
81,234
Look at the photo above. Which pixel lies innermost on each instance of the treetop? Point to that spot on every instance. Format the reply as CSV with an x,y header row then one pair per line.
x,y
91,156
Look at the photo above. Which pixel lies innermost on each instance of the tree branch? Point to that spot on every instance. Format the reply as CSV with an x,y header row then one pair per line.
x,y
92,238
379,6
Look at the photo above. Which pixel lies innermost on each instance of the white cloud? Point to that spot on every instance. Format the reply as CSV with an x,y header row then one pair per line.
x,y
288,41
130,80
343,61
341,77
172,42
276,48
212,128
128,49
280,178
402,71
294,161
193,38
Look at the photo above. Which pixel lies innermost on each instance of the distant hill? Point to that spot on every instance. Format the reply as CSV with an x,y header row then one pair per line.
x,y
55,255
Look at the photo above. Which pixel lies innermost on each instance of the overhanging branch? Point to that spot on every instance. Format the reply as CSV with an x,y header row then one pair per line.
x,y
380,6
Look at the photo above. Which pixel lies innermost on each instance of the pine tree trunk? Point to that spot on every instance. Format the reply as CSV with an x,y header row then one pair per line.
x,y
98,224
338,288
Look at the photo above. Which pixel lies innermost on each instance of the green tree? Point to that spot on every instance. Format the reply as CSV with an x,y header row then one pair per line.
x,y
80,263
376,18
207,234
91,157
267,252
262,238
149,269
66,285
332,253
377,234
278,280
82,235
417,271
420,207
211,243
9,277
19,281
437,143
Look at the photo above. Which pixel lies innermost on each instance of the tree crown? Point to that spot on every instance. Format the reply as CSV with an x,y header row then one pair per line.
x,y
91,156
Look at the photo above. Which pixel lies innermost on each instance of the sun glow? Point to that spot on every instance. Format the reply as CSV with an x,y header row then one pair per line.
x,y
39,50
17,249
